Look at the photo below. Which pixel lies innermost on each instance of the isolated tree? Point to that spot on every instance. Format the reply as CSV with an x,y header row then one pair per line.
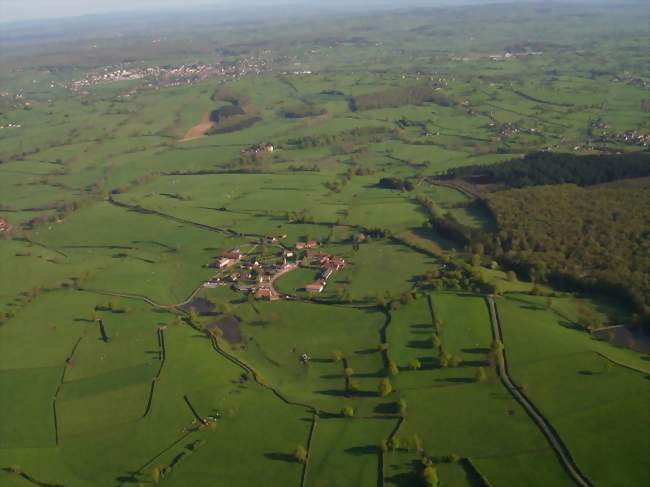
x,y
348,372
337,355
226,309
216,333
347,412
155,475
480,375
383,445
511,276
497,346
93,316
455,361
417,443
443,359
193,316
548,303
415,364
395,443
435,341
385,387
300,454
402,407
430,476
393,369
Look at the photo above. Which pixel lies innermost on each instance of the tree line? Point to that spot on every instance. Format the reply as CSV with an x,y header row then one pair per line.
x,y
397,97
542,168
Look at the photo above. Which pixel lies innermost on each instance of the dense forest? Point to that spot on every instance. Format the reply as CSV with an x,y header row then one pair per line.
x,y
540,168
596,237
397,97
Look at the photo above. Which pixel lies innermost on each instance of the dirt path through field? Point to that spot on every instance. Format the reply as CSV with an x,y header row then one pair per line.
x,y
200,129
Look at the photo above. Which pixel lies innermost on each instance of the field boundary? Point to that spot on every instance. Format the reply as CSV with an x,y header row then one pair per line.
x,y
538,418
310,437
163,356
56,393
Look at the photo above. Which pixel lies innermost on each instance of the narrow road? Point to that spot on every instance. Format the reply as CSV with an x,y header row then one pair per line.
x,y
544,425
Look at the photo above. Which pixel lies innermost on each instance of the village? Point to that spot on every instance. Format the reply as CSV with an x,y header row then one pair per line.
x,y
255,272
173,75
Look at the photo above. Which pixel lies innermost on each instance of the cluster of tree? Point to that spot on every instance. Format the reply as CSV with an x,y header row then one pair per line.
x,y
234,124
588,237
304,168
397,97
224,93
309,141
301,216
542,168
223,113
397,183
447,225
455,276
332,93
303,110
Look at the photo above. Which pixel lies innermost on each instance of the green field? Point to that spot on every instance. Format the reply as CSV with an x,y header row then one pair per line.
x,y
213,375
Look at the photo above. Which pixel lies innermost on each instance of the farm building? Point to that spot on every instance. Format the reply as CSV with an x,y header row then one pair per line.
x,y
263,293
224,263
233,254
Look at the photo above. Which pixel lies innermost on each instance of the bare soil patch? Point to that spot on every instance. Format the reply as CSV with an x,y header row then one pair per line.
x,y
200,129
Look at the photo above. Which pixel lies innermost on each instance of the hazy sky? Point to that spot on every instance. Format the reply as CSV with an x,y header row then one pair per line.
x,y
11,10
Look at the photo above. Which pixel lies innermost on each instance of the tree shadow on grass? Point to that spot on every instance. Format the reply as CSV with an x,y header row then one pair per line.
x,y
332,376
474,363
475,350
404,480
422,326
387,408
281,457
419,344
321,360
342,393
128,478
457,380
362,450
367,351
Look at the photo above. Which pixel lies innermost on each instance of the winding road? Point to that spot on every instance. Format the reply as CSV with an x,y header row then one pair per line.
x,y
544,425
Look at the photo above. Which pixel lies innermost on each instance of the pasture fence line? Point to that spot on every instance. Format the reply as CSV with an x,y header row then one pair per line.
x,y
58,388
469,465
253,373
29,478
621,364
163,355
535,414
310,438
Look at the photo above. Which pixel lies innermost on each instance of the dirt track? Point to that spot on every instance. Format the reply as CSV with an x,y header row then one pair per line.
x,y
199,130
